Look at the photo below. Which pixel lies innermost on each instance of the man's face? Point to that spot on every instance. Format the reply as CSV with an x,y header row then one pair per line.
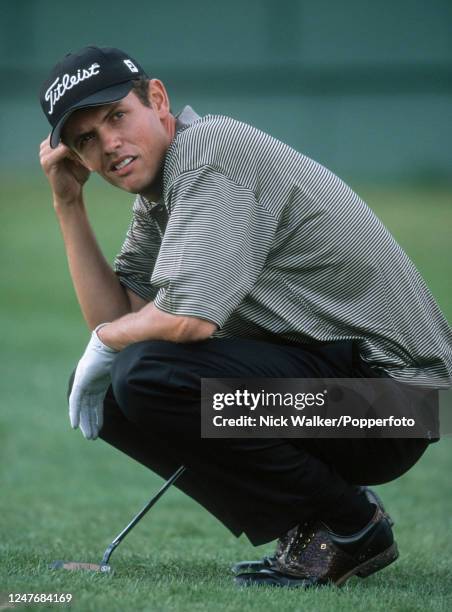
x,y
125,142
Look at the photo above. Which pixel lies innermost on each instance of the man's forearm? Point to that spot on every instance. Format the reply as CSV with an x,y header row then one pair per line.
x,y
150,323
100,295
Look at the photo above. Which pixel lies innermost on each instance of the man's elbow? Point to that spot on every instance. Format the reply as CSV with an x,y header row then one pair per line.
x,y
192,329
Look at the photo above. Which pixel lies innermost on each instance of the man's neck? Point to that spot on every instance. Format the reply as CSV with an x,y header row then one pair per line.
x,y
173,125
154,192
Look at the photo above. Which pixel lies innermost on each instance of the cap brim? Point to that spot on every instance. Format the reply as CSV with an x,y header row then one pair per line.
x,y
105,96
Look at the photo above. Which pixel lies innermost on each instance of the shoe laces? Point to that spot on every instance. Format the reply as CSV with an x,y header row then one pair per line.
x,y
305,533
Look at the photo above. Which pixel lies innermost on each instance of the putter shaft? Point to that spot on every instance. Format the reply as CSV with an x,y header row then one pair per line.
x,y
139,516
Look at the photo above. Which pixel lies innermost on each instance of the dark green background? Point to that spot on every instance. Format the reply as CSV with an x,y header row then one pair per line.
x,y
364,87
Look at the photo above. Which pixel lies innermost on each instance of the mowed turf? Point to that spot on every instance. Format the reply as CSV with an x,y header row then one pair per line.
x,y
65,498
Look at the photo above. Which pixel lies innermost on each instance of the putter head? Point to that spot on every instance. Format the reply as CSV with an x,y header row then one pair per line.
x,y
74,566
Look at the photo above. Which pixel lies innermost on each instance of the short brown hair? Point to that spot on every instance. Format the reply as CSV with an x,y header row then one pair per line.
x,y
140,88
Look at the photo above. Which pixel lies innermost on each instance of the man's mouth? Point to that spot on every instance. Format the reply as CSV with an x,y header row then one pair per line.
x,y
122,163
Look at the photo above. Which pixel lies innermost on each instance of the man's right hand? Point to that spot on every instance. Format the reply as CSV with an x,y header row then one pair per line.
x,y
65,172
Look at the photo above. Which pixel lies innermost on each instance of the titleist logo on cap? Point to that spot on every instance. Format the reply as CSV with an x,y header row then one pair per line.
x,y
58,88
92,76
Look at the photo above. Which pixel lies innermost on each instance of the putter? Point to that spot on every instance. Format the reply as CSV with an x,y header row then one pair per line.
x,y
104,566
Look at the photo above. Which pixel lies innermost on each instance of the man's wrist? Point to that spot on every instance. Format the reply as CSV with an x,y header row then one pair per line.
x,y
64,207
103,344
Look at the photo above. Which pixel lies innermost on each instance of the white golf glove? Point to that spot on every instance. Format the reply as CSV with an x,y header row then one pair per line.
x,y
91,381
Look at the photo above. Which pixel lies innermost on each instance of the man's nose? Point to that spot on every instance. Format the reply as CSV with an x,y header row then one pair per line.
x,y
111,141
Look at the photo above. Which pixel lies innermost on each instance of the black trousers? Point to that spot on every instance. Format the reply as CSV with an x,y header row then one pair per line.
x,y
260,487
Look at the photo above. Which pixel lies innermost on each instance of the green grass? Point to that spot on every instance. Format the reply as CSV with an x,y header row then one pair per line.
x,y
65,498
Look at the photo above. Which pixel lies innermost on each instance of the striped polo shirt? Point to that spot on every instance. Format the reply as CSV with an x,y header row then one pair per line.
x,y
269,244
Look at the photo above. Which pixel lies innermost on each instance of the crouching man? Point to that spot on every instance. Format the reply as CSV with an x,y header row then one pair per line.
x,y
243,259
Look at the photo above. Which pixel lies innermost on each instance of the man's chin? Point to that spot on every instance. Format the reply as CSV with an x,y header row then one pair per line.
x,y
127,184
150,190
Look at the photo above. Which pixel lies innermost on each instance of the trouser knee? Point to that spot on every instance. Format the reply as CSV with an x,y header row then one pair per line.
x,y
147,375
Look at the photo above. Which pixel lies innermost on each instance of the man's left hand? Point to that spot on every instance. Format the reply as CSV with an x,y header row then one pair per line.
x,y
91,381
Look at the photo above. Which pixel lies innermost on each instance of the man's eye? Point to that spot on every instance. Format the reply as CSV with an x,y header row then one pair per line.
x,y
84,139
118,115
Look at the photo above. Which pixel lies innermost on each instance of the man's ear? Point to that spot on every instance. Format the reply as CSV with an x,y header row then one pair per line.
x,y
158,97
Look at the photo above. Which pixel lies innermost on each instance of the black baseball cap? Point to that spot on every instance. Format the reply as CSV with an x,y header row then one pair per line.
x,y
90,77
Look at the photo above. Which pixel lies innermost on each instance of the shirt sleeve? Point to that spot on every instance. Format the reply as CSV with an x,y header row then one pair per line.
x,y
135,262
215,246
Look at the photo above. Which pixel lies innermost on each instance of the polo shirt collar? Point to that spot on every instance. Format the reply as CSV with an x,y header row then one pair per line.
x,y
185,118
